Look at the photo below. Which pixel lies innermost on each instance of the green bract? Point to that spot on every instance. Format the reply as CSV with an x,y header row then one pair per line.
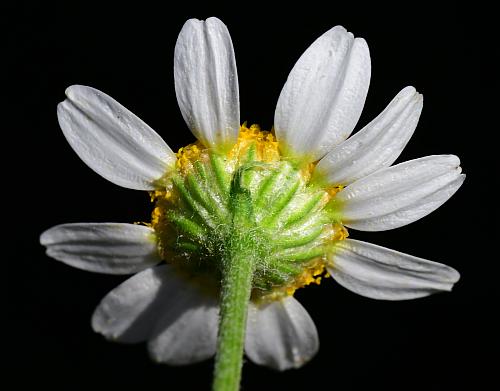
x,y
216,205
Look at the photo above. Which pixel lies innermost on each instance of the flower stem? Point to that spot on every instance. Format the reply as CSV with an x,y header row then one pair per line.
x,y
238,269
236,289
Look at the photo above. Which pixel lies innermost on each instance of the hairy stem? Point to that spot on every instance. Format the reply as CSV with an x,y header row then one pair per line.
x,y
238,268
236,289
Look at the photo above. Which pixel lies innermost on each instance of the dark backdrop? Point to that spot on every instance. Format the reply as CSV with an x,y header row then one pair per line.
x,y
436,343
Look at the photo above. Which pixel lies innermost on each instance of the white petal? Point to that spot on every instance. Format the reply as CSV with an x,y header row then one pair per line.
x,y
324,95
111,248
111,140
130,312
375,146
380,273
280,335
401,194
187,331
206,82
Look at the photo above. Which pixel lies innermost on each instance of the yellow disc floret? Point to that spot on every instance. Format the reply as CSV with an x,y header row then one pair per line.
x,y
263,143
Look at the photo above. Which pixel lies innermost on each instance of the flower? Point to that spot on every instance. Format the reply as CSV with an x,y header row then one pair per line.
x,y
297,189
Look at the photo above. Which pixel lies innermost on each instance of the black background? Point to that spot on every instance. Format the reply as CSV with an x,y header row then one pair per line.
x,y
441,342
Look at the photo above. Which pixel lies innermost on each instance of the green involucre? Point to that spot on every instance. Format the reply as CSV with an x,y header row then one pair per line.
x,y
284,221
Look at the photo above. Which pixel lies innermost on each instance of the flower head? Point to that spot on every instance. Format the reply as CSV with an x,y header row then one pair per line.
x,y
283,199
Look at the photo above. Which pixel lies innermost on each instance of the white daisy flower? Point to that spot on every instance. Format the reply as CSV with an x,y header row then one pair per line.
x,y
278,203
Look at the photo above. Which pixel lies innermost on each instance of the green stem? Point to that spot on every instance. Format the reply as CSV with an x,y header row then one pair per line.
x,y
235,295
237,273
